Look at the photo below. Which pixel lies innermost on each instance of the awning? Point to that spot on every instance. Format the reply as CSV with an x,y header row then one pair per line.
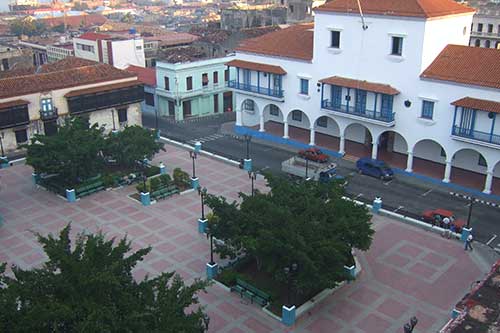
x,y
104,88
257,66
359,84
478,104
17,102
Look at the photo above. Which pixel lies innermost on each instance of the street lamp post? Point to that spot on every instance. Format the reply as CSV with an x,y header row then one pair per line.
x,y
253,176
471,203
247,162
202,192
1,143
288,310
212,267
145,195
307,167
194,180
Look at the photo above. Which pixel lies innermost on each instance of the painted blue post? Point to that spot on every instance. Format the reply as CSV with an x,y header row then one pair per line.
x,y
280,84
158,134
348,99
375,105
377,204
212,270
114,132
455,313
4,162
195,183
202,225
35,178
288,315
269,84
492,126
258,82
351,271
454,120
465,233
238,77
163,168
322,94
247,164
145,199
71,195
197,147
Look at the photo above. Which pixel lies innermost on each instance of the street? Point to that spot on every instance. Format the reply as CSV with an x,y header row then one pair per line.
x,y
404,194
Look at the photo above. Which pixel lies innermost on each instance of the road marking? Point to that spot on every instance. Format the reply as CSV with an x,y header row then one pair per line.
x,y
426,192
491,240
395,210
497,249
211,137
352,173
387,183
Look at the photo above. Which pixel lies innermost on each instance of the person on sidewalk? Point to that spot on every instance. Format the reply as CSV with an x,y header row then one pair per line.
x,y
446,227
468,242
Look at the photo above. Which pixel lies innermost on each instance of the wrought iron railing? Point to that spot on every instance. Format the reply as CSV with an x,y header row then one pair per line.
x,y
255,89
385,116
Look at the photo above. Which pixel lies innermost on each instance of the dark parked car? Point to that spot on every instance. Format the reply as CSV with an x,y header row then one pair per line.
x,y
374,168
314,154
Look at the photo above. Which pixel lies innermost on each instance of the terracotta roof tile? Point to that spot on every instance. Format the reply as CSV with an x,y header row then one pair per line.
x,y
409,8
93,36
108,87
77,21
63,78
145,75
359,84
10,104
66,63
257,66
468,65
293,42
478,104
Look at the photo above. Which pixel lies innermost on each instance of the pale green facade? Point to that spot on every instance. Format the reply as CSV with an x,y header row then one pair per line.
x,y
175,99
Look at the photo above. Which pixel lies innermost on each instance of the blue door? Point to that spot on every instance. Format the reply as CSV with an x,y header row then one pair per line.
x,y
467,121
336,92
360,106
246,78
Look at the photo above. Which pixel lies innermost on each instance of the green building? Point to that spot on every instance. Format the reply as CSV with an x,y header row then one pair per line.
x,y
193,89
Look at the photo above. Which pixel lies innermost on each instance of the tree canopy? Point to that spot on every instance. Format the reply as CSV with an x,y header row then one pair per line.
x,y
27,27
88,287
304,222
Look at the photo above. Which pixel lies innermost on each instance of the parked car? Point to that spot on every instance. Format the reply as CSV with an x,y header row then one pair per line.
x,y
374,168
313,154
433,215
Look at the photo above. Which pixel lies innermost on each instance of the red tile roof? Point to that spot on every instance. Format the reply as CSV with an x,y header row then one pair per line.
x,y
293,42
468,65
358,84
257,66
145,75
478,104
66,63
94,36
409,8
59,79
10,104
108,87
77,21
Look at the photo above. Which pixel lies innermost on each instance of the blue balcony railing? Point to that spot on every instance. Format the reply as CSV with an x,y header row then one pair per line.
x,y
255,89
376,115
476,135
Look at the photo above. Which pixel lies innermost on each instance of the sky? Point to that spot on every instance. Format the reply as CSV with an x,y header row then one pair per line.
x,y
4,5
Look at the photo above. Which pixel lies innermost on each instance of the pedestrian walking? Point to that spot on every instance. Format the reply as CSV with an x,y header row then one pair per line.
x,y
446,226
468,242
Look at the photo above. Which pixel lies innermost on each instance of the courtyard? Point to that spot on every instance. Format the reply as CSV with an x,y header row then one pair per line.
x,y
407,272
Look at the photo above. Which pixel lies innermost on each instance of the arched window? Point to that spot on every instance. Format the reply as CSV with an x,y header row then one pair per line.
x,y
477,43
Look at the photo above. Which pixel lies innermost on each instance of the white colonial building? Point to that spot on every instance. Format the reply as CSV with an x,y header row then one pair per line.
x,y
399,80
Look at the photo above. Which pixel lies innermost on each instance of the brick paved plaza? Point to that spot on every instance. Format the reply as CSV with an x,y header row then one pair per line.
x,y
406,272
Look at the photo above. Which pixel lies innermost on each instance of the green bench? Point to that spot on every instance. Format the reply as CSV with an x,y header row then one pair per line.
x,y
248,291
89,189
165,192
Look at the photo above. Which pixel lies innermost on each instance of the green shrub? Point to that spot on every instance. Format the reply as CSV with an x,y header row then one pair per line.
x,y
108,180
181,178
140,187
228,277
165,179
152,171
154,184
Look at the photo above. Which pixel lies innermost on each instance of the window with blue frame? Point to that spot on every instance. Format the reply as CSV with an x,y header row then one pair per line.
x,y
386,105
427,109
322,122
248,105
336,96
360,105
46,104
304,86
246,77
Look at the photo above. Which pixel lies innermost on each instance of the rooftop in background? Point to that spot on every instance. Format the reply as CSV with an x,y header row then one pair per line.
x,y
69,72
76,22
293,42
170,38
454,64
409,8
107,36
182,55
145,75
485,7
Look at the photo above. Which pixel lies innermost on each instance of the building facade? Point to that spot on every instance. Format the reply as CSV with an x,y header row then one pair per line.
x,y
397,84
36,103
193,89
12,57
485,24
116,50
59,51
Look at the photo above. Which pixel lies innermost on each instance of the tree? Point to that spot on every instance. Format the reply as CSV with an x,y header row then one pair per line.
x,y
74,152
132,144
28,27
88,287
61,28
302,222
128,18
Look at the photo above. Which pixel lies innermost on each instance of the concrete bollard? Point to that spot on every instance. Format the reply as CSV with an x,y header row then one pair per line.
x,y
247,164
163,168
71,195
288,315
145,199
35,178
455,313
351,271
377,204
4,162
158,134
202,225
212,270
197,147
195,183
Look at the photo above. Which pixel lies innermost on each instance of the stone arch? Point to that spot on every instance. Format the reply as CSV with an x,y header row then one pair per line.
x,y
495,174
393,149
298,118
273,119
469,168
327,132
429,158
297,127
250,113
358,140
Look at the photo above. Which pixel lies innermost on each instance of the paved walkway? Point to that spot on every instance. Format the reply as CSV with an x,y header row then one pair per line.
x,y
406,272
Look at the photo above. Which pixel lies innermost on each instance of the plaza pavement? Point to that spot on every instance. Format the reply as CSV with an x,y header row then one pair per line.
x,y
406,272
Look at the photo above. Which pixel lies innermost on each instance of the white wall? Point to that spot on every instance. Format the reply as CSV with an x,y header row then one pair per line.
x,y
126,52
86,54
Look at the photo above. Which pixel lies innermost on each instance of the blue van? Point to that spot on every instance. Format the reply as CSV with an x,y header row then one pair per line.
x,y
374,168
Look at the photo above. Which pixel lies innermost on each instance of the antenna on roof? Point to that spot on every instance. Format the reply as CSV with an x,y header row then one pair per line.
x,y
363,24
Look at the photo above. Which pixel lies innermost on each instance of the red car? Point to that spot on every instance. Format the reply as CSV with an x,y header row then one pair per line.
x,y
432,215
314,154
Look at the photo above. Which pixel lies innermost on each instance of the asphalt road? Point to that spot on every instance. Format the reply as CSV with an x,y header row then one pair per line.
x,y
403,194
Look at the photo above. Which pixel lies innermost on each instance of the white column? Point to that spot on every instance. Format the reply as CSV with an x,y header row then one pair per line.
x,y
374,150
285,130
312,136
409,162
447,172
261,127
238,118
488,182
342,145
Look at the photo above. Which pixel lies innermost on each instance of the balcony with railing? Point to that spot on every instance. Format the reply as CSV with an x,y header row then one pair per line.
x,y
13,114
255,89
384,116
48,114
476,135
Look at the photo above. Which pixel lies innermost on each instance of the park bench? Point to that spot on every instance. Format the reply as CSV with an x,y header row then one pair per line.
x,y
165,192
89,189
248,291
